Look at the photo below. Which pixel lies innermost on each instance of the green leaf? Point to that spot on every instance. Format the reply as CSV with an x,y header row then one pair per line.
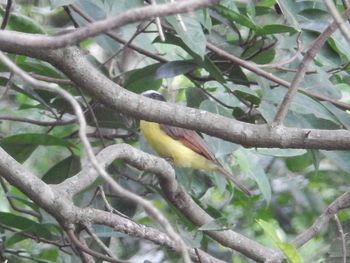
x,y
250,165
269,229
290,12
58,3
175,68
21,146
194,97
246,93
23,201
140,80
339,158
217,224
13,239
276,29
298,163
288,249
193,37
301,103
107,118
342,116
280,152
205,62
21,23
235,17
25,224
62,170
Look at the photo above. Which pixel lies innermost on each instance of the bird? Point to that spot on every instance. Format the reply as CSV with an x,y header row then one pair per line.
x,y
184,147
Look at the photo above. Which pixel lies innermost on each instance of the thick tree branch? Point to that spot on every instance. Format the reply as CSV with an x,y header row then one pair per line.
x,y
79,70
175,194
55,201
93,29
124,225
340,203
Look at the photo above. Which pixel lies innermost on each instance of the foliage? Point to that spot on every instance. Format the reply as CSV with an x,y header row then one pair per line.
x,y
293,186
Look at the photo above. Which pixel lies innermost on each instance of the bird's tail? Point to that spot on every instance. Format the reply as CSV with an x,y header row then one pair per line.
x,y
230,177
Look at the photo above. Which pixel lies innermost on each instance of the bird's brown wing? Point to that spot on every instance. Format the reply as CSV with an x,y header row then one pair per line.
x,y
189,138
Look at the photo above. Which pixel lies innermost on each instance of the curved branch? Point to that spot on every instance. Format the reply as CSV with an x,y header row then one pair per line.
x,y
58,204
173,191
340,203
89,251
75,36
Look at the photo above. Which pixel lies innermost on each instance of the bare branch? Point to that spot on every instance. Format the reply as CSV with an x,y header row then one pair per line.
x,y
342,237
91,232
340,203
93,29
7,14
13,204
279,65
173,191
310,54
87,250
52,199
338,19
117,38
40,123
50,79
254,68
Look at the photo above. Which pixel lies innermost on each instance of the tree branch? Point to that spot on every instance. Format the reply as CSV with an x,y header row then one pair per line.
x,y
93,29
173,191
56,202
340,203
79,70
40,123
257,70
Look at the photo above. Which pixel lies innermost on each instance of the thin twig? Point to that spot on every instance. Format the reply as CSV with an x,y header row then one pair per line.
x,y
7,15
72,37
50,79
7,87
343,26
59,243
91,232
253,68
87,250
158,24
40,123
139,30
342,237
114,36
75,23
288,61
179,19
13,204
310,54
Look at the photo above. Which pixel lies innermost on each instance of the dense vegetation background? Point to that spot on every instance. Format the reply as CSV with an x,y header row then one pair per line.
x,y
235,59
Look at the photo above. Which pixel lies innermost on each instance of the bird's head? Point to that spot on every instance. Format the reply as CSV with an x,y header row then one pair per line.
x,y
153,95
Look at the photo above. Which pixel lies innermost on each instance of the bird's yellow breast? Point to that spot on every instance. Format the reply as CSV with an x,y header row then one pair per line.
x,y
168,147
